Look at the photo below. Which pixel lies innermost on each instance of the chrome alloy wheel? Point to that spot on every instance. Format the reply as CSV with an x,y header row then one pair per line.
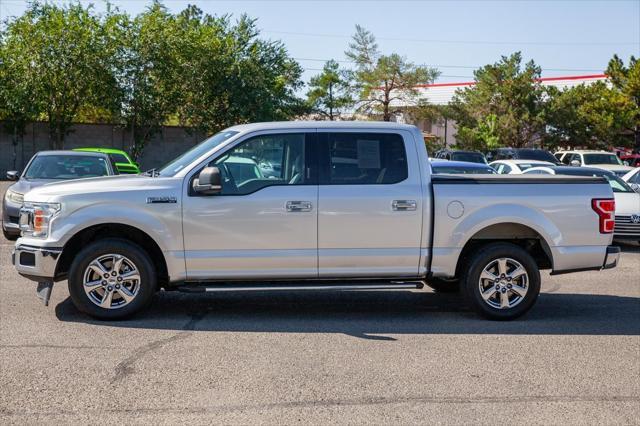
x,y
111,281
503,283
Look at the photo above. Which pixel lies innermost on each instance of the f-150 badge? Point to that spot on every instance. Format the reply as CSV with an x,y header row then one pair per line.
x,y
157,200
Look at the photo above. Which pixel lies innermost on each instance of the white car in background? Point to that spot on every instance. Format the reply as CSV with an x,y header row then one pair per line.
x,y
633,179
599,159
627,215
516,167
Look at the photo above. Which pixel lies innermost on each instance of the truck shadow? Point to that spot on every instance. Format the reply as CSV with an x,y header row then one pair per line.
x,y
373,315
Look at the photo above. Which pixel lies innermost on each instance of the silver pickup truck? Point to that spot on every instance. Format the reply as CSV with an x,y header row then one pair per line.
x,y
316,206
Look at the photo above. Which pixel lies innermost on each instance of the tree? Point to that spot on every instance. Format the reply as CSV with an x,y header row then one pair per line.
x,y
384,80
627,81
506,98
227,75
592,116
147,73
65,55
17,105
329,93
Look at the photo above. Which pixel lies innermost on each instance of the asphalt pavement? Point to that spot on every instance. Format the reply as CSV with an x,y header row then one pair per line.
x,y
384,357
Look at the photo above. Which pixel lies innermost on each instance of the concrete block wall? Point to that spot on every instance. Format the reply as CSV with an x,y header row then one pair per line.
x,y
166,145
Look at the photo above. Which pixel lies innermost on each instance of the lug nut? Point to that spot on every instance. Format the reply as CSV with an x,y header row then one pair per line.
x,y
110,288
114,273
117,286
509,286
119,278
106,275
104,283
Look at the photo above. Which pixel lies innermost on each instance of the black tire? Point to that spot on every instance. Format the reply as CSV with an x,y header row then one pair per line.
x,y
442,285
483,258
141,260
9,236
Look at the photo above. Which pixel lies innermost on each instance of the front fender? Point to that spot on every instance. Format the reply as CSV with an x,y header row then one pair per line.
x,y
162,224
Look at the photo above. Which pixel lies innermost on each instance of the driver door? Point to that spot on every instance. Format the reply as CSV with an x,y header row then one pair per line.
x,y
263,224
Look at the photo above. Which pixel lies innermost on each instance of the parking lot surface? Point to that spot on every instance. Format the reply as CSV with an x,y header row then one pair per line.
x,y
304,357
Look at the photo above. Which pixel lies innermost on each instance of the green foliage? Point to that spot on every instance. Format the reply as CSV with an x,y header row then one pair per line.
x,y
383,79
505,106
66,64
329,93
592,116
627,81
61,57
601,114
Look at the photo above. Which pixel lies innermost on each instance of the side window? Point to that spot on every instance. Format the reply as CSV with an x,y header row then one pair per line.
x,y
635,178
506,170
262,161
363,158
567,159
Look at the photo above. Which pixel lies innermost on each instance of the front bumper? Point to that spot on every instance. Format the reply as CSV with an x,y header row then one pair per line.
x,y
36,263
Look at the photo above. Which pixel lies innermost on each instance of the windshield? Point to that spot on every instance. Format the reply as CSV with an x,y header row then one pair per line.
x,y
471,157
603,158
461,170
617,184
66,167
536,154
194,153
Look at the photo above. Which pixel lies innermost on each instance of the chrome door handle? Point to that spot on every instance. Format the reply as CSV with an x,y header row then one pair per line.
x,y
404,205
299,206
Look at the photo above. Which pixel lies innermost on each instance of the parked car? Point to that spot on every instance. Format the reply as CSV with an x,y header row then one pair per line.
x,y
633,179
468,156
516,167
460,168
521,154
355,207
46,167
627,219
631,160
599,159
123,162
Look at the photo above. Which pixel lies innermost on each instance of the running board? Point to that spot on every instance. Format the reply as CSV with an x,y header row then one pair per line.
x,y
400,285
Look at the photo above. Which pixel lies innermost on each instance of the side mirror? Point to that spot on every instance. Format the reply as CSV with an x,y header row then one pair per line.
x,y
575,163
13,175
208,182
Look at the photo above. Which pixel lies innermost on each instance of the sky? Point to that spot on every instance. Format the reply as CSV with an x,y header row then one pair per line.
x,y
563,37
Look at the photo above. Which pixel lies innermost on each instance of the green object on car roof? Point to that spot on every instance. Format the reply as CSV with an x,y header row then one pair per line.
x,y
123,162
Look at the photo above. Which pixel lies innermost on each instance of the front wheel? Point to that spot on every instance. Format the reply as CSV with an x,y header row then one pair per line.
x,y
112,279
502,281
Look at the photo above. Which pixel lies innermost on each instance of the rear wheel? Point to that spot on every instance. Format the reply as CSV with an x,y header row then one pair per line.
x,y
112,279
502,281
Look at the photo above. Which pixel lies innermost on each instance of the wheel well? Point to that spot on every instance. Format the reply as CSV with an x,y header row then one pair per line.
x,y
514,233
113,230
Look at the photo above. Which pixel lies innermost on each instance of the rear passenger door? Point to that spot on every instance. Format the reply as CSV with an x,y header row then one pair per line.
x,y
369,204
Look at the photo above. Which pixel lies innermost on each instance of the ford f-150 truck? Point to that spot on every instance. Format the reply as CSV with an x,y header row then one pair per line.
x,y
317,206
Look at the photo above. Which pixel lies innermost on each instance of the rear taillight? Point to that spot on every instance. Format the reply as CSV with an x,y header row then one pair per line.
x,y
606,210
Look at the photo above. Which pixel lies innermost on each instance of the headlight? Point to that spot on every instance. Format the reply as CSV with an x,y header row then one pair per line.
x,y
35,218
14,196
